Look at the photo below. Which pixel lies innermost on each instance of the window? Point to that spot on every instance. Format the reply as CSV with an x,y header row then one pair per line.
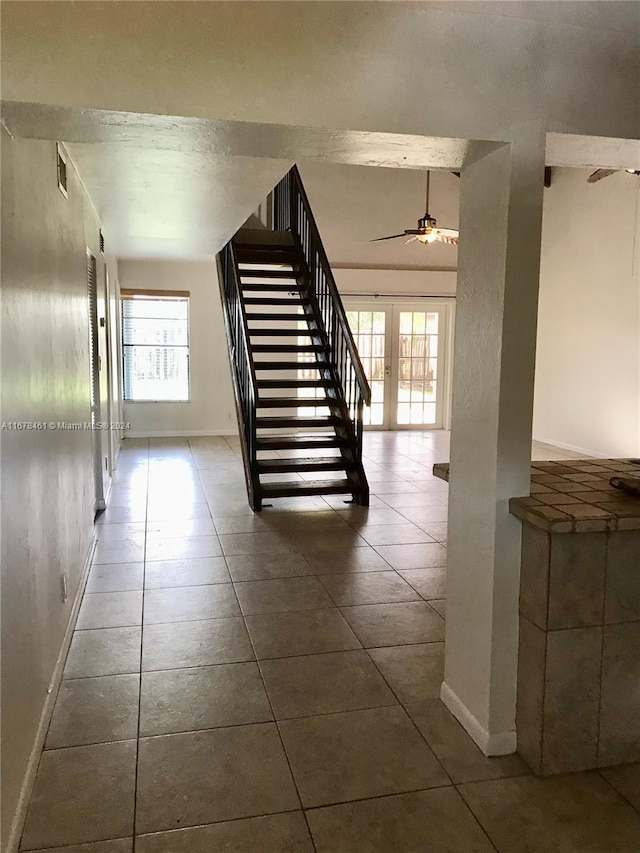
x,y
155,345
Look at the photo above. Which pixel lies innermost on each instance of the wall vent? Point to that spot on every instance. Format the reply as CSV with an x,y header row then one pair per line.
x,y
61,158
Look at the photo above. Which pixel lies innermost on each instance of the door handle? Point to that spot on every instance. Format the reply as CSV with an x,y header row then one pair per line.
x,y
387,370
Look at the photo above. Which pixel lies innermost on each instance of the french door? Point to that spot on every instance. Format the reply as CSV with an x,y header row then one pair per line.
x,y
402,346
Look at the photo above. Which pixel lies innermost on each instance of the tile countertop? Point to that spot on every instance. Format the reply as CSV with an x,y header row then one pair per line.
x,y
575,496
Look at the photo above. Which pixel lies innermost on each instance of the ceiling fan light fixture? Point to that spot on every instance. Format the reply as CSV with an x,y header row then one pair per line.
x,y
427,230
431,237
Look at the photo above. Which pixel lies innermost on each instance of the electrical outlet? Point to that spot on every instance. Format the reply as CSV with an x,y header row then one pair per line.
x,y
65,588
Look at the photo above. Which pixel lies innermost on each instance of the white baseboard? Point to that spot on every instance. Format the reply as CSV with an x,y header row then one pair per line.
x,y
182,433
45,718
585,451
500,743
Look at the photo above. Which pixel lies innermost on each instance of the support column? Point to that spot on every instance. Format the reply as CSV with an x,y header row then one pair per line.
x,y
494,361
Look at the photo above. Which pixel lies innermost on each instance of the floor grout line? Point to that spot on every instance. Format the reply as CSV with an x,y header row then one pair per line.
x,y
135,783
266,692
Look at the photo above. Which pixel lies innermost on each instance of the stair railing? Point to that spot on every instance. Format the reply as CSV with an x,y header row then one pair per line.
x,y
242,367
292,212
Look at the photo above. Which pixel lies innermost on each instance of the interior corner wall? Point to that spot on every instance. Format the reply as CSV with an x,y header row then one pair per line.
x,y
211,409
587,396
47,475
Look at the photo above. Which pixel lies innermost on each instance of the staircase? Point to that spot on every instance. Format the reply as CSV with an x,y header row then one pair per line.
x,y
299,385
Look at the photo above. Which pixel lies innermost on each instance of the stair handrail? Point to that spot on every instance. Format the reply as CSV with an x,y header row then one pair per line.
x,y
242,367
292,212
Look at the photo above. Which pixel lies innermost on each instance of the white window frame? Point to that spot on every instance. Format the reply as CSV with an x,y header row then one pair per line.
x,y
127,294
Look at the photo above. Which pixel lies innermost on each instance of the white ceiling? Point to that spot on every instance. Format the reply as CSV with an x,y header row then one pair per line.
x,y
166,204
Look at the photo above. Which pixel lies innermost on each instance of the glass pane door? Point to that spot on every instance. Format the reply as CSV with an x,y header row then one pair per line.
x,y
369,325
402,347
419,337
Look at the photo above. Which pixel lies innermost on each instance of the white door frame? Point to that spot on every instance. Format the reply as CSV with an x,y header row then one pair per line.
x,y
373,305
94,379
393,305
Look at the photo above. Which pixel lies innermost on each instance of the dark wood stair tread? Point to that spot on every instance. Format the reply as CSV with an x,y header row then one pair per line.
x,y
243,246
300,442
265,255
312,463
266,246
308,487
282,333
265,315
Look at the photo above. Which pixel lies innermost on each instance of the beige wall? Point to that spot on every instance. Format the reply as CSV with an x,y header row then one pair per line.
x,y
211,408
404,67
47,483
588,360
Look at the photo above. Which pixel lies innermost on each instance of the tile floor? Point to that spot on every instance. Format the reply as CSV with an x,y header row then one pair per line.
x,y
270,682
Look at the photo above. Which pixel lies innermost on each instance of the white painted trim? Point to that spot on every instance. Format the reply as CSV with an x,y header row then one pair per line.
x,y
108,492
45,718
573,448
185,433
501,743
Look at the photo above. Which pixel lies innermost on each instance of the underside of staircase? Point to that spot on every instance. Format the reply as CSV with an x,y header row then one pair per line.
x,y
294,371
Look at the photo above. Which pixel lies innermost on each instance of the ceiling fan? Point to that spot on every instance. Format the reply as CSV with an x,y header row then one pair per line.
x,y
599,174
427,230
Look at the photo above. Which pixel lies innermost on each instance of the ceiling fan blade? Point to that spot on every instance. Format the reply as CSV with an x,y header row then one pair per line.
x,y
390,237
599,174
451,241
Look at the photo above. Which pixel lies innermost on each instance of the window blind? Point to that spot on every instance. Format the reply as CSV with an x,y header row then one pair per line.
x,y
155,345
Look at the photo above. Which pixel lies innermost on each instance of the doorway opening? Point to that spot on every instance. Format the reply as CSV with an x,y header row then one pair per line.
x,y
403,346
